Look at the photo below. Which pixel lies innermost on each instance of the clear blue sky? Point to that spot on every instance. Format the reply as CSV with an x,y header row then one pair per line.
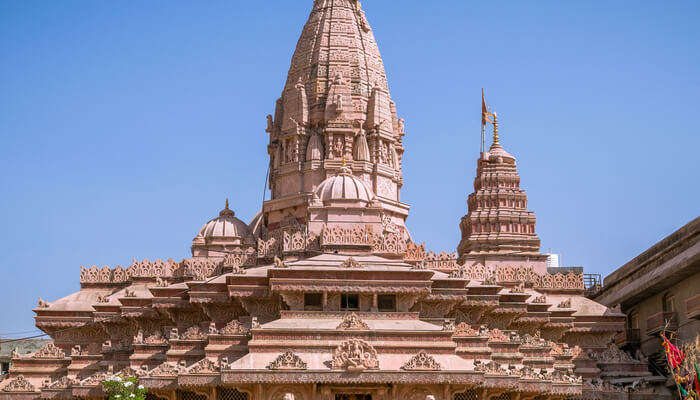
x,y
124,125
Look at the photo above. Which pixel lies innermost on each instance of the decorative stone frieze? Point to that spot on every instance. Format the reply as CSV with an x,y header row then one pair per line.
x,y
355,355
422,362
287,361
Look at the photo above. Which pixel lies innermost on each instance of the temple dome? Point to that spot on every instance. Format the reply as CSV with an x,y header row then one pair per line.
x,y
344,187
226,225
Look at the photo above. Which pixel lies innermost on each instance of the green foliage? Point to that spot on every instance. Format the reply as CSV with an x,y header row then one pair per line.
x,y
124,388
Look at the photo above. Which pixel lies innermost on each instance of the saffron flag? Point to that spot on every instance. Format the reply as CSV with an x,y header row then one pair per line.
x,y
674,355
485,114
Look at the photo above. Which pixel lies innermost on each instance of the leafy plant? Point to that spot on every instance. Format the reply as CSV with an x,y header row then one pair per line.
x,y
124,388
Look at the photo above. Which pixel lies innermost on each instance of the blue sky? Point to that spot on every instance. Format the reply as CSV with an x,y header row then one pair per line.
x,y
124,125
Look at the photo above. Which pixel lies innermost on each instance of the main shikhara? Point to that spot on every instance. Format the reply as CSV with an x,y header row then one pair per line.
x,y
324,295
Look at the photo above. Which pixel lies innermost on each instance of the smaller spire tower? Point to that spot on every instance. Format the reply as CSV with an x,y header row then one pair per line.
x,y
497,221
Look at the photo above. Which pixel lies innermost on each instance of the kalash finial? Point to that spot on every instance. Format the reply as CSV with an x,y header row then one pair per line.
x,y
344,169
227,211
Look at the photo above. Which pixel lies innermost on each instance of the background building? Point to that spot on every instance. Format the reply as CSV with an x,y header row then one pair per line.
x,y
659,289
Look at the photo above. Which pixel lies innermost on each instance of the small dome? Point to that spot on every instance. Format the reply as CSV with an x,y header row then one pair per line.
x,y
225,225
344,187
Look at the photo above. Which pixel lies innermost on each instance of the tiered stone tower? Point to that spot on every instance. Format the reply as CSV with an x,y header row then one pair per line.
x,y
335,110
498,222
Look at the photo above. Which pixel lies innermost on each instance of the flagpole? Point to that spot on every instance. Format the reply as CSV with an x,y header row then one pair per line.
x,y
668,362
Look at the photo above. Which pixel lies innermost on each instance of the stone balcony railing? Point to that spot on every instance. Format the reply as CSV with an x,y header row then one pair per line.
x,y
628,337
662,321
692,307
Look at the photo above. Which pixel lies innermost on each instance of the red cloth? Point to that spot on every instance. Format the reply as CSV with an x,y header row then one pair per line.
x,y
674,355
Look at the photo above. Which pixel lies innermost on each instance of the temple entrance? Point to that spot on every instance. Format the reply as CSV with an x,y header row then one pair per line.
x,y
353,396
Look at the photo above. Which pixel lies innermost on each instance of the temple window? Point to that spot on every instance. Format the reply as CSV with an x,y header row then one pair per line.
x,y
386,302
224,393
669,303
633,320
313,301
349,302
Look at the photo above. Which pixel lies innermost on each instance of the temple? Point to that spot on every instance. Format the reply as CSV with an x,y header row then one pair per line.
x,y
324,295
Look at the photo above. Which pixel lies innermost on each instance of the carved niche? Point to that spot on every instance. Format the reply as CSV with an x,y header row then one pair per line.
x,y
355,355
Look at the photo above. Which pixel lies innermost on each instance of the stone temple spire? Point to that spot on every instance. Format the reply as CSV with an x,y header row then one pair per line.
x,y
336,104
497,221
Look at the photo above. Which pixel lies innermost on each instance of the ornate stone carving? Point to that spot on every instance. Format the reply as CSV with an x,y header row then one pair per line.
x,y
355,355
542,299
234,328
165,369
414,253
279,263
238,259
422,362
530,373
49,351
129,293
350,263
19,384
496,335
43,304
148,269
565,304
62,383
448,325
194,333
492,368
287,361
202,268
334,235
612,354
464,329
94,379
352,322
204,367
